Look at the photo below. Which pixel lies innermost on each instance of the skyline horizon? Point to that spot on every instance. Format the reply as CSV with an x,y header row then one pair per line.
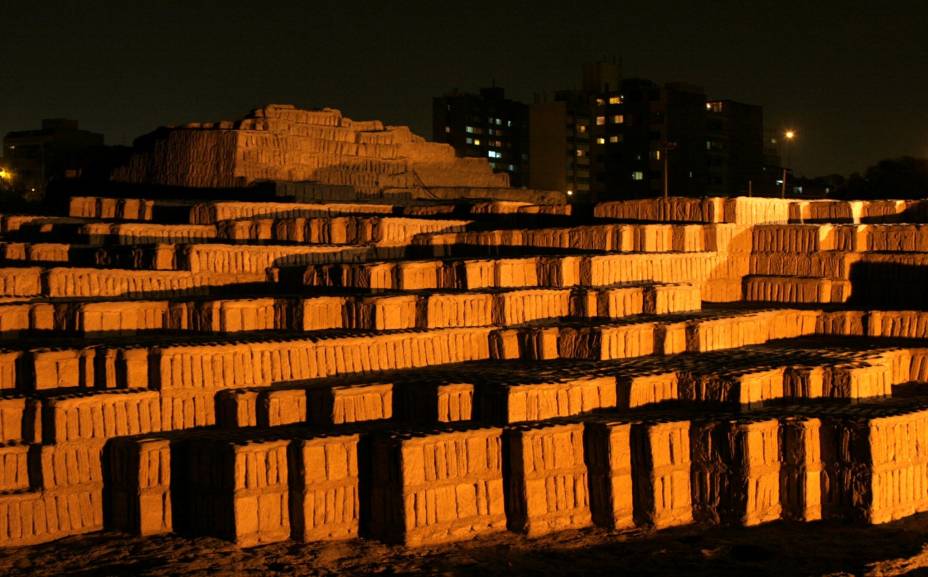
x,y
850,88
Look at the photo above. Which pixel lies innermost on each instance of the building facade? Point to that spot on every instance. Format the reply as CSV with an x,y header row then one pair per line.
x,y
485,125
734,148
60,149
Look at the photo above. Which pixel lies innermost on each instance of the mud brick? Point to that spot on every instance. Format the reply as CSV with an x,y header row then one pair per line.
x,y
20,420
744,387
320,313
804,382
53,369
801,469
351,403
645,389
100,416
477,274
187,409
521,306
547,486
20,282
661,469
132,368
9,360
236,490
430,402
516,272
36,517
907,324
245,315
436,488
505,344
607,342
841,323
858,380
66,465
386,312
15,317
620,302
455,310
898,473
670,338
237,408
138,486
672,298
121,317
281,407
324,501
513,403
14,469
418,275
608,454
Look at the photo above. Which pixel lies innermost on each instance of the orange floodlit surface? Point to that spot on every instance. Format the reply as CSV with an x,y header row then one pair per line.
x,y
407,352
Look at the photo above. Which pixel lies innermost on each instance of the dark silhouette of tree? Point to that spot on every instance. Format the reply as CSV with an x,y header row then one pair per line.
x,y
905,177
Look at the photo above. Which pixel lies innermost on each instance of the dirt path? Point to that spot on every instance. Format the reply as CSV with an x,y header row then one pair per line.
x,y
777,549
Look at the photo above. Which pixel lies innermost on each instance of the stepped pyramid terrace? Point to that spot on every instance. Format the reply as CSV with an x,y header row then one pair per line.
x,y
392,346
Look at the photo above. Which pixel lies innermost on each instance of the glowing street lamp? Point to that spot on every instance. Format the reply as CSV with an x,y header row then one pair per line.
x,y
790,134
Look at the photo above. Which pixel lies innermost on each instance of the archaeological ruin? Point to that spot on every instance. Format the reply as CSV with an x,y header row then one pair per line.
x,y
391,344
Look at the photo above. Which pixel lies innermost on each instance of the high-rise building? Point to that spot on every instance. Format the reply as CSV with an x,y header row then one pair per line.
x,y
570,137
658,129
485,125
559,149
734,148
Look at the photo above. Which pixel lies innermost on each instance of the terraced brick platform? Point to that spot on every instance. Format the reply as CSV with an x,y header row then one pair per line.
x,y
420,372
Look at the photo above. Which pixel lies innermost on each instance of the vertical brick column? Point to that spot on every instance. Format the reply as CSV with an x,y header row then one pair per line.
x,y
547,485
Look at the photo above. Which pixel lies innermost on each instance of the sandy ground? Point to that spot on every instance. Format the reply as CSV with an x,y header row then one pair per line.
x,y
777,549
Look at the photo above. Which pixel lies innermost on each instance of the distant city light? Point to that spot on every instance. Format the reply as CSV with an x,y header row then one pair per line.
x,y
790,134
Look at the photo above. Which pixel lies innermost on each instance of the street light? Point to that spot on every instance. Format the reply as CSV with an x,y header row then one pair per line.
x,y
790,134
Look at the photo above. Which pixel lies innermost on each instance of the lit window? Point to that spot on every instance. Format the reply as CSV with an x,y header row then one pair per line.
x,y
476,142
614,139
499,122
508,123
618,119
600,102
708,145
581,128
600,140
447,129
600,120
579,152
637,175
469,140
615,100
657,155
494,154
469,129
512,168
714,106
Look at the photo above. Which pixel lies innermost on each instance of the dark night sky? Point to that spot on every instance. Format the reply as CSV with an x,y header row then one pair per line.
x,y
851,77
